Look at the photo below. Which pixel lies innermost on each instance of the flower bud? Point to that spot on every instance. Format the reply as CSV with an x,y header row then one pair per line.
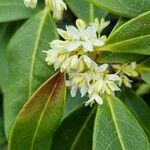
x,y
30,3
80,24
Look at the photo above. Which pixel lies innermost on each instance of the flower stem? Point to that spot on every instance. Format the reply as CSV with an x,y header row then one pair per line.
x,y
91,12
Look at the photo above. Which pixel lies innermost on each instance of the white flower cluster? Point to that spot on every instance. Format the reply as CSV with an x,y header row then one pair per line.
x,y
124,71
56,6
73,56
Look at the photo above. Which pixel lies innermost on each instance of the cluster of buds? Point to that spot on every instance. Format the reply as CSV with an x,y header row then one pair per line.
x,y
72,56
56,6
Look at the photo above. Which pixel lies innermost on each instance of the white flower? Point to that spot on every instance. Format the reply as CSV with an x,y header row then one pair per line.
x,y
57,7
89,62
107,84
95,98
124,71
30,3
125,80
82,36
102,24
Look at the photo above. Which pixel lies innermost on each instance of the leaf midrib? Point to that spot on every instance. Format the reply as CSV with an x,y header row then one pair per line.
x,y
128,40
35,48
81,130
104,48
42,114
115,123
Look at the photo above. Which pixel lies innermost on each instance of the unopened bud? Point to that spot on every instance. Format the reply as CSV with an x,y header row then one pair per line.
x,y
30,3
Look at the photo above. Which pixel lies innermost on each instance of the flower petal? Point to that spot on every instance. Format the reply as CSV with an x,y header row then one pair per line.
x,y
103,67
64,34
87,46
73,91
73,32
73,46
98,99
84,90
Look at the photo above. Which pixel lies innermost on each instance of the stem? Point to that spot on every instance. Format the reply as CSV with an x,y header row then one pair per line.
x,y
91,12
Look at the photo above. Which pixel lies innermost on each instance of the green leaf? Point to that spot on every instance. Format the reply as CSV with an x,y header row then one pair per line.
x,y
6,32
75,132
109,57
83,10
28,69
120,22
74,103
116,128
3,61
11,10
144,69
131,37
2,133
40,116
127,8
137,107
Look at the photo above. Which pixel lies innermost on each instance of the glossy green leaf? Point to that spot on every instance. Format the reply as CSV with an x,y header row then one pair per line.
x,y
116,128
40,116
6,32
75,132
74,103
2,133
83,10
120,22
28,69
144,69
137,107
131,37
11,10
127,8
109,57
3,61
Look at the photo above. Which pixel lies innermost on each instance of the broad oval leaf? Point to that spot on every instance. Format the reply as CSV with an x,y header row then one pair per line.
x,y
137,107
83,10
75,131
27,66
11,10
127,8
40,116
116,128
131,37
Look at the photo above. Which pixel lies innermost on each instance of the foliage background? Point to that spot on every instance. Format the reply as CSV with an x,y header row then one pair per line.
x,y
25,33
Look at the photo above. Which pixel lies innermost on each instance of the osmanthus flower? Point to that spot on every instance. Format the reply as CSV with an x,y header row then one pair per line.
x,y
104,84
57,7
124,71
101,24
30,3
73,56
95,82
81,37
